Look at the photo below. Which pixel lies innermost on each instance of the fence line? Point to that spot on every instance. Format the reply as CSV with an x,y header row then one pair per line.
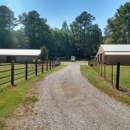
x,y
10,72
98,67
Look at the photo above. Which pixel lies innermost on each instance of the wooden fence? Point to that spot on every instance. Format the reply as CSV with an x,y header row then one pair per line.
x,y
10,72
110,73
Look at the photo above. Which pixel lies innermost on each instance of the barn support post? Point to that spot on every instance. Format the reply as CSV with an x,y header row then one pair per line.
x,y
36,68
26,70
12,73
118,75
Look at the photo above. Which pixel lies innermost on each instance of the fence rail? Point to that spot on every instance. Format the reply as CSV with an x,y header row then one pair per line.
x,y
10,72
118,75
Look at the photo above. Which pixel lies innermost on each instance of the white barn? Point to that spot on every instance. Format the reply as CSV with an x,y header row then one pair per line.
x,y
19,55
113,53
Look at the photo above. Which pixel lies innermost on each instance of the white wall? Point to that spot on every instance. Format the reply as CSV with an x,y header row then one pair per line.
x,y
25,58
30,58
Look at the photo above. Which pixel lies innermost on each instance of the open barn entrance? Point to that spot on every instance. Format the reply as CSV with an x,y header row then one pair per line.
x,y
10,58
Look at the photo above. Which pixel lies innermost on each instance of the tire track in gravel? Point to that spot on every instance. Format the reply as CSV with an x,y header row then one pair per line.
x,y
67,101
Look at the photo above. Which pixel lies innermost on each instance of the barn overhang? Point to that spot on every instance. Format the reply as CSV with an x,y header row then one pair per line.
x,y
117,53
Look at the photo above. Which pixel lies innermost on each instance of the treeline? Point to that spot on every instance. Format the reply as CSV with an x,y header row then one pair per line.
x,y
118,27
81,38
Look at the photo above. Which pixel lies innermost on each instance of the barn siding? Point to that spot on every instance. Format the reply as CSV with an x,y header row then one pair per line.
x,y
20,58
112,59
113,53
121,59
30,58
3,58
25,58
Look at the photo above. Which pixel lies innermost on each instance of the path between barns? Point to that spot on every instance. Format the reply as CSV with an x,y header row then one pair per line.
x,y
68,102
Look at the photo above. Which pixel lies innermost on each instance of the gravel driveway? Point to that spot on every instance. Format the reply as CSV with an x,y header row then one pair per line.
x,y
67,101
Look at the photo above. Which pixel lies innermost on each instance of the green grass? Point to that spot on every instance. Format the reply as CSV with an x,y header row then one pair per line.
x,y
124,75
99,82
20,68
13,97
19,71
30,100
2,124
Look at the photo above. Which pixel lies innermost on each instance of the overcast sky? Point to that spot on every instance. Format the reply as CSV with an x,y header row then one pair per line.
x,y
57,11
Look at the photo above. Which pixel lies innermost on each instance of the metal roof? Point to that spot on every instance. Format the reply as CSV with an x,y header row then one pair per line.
x,y
116,47
20,52
113,48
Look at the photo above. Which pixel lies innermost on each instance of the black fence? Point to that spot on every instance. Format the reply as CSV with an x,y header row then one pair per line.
x,y
110,73
10,72
5,73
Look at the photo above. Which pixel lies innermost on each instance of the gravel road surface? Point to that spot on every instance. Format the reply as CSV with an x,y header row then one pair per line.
x,y
67,101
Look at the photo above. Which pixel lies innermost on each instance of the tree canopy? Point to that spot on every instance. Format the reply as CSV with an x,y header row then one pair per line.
x,y
118,27
7,23
87,37
81,38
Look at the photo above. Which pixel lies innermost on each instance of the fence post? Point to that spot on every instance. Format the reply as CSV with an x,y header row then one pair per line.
x,y
94,65
26,70
104,71
112,75
54,63
97,66
50,64
35,67
42,67
47,65
117,75
12,73
101,69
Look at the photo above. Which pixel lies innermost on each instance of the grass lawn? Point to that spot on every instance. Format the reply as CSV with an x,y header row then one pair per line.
x,y
99,82
124,75
13,96
19,73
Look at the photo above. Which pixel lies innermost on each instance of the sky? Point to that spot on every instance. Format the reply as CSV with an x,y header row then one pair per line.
x,y
57,11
